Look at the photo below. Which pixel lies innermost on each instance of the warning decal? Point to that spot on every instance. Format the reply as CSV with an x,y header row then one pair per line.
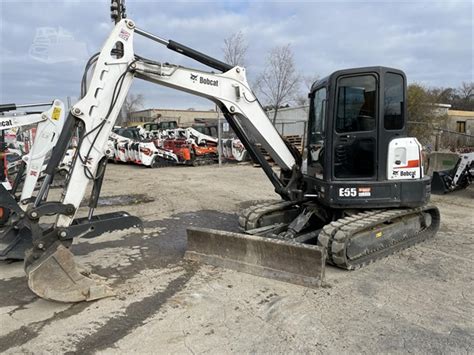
x,y
56,113
364,192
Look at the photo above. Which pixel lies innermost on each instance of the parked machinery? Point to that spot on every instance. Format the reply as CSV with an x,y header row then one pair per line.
x,y
137,150
178,146
191,146
30,167
459,177
234,150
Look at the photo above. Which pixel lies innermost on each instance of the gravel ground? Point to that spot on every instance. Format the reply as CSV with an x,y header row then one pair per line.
x,y
418,301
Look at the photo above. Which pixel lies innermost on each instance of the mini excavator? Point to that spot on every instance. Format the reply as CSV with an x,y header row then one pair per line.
x,y
360,194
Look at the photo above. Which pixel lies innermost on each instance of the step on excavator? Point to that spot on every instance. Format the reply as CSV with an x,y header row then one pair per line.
x,y
359,196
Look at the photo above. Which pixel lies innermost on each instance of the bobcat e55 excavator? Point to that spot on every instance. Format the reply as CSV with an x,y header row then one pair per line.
x,y
360,196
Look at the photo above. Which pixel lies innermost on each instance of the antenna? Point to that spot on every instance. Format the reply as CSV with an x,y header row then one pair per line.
x,y
117,10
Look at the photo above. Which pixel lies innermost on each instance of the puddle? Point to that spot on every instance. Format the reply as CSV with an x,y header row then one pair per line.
x,y
122,200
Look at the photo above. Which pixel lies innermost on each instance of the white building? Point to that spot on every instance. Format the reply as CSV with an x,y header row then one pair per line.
x,y
291,120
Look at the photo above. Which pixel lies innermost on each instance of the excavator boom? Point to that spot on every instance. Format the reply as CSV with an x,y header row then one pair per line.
x,y
115,67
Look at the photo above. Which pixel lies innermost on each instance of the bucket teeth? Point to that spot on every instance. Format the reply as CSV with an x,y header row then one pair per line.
x,y
54,276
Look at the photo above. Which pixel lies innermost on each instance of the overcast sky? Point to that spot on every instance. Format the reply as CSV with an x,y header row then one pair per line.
x,y
44,44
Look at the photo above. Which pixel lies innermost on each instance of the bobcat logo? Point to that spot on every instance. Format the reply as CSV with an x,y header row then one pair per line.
x,y
6,123
408,173
206,81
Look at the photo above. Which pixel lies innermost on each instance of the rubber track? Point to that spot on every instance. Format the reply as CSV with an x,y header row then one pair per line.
x,y
163,163
204,160
249,217
336,235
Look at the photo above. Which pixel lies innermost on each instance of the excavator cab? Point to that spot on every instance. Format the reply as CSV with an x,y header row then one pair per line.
x,y
358,153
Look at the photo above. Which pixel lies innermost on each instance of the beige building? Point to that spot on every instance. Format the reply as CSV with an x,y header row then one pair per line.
x,y
458,131
184,118
461,121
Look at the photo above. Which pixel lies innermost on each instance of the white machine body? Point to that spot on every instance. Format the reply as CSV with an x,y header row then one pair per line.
x,y
466,161
404,159
49,126
47,134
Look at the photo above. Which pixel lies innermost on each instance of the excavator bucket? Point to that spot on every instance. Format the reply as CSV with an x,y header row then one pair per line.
x,y
52,273
282,260
438,182
54,276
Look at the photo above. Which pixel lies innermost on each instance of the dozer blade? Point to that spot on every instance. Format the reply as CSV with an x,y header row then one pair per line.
x,y
282,260
54,276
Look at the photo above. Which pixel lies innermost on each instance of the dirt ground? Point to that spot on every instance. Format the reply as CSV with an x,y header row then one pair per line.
x,y
418,301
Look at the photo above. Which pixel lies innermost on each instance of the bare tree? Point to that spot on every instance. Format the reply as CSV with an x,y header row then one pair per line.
x,y
442,95
131,104
279,81
307,81
235,49
466,91
461,98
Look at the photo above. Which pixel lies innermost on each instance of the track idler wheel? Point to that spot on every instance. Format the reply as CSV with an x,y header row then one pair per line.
x,y
54,276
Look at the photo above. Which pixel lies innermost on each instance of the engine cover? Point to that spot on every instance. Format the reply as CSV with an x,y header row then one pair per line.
x,y
404,159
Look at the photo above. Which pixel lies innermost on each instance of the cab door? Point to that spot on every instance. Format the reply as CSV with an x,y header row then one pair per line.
x,y
316,132
354,142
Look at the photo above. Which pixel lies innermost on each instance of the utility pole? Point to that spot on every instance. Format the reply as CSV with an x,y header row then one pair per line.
x,y
2,159
437,140
219,137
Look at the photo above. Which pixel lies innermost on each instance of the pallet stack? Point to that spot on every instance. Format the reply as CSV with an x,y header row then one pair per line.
x,y
295,140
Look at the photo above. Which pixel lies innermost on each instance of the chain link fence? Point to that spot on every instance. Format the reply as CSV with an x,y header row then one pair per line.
x,y
291,128
453,141
442,139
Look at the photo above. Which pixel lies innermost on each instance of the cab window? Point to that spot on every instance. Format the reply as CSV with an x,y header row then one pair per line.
x,y
393,101
318,115
356,104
